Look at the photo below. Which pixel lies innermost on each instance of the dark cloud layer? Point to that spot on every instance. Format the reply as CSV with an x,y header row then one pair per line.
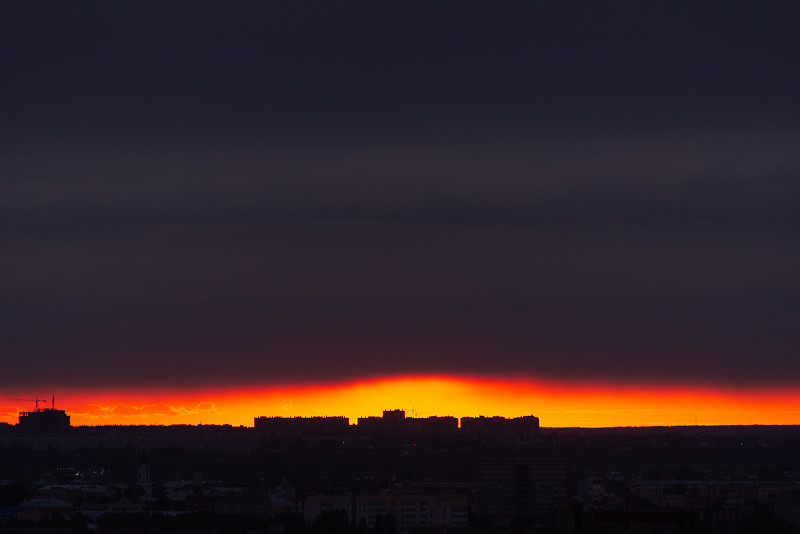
x,y
199,193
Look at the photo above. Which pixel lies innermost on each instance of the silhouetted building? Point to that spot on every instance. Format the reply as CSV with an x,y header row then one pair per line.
x,y
316,504
508,491
38,509
124,506
46,421
143,480
249,502
394,423
407,510
434,426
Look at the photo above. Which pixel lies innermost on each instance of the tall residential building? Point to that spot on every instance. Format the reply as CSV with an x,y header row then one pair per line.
x,y
44,422
521,489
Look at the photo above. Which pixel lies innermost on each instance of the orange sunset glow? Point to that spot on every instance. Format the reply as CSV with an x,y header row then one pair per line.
x,y
556,405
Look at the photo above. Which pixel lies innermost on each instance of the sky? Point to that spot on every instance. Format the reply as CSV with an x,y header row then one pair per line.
x,y
202,201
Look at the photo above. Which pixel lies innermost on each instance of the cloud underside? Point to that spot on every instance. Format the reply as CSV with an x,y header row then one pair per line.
x,y
542,258
272,193
145,411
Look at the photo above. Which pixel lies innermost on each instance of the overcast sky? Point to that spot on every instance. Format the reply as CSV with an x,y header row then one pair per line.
x,y
216,193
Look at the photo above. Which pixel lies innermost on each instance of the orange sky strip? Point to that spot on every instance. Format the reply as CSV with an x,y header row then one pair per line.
x,y
556,404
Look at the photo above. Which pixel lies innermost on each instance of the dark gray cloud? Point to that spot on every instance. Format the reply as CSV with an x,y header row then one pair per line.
x,y
305,71
647,180
200,193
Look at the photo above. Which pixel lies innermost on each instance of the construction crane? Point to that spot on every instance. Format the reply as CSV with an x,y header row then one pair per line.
x,y
35,400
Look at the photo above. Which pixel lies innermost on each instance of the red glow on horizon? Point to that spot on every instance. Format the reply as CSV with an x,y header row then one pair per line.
x,y
556,404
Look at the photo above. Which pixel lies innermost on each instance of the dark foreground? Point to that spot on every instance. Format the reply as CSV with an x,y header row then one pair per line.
x,y
684,479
